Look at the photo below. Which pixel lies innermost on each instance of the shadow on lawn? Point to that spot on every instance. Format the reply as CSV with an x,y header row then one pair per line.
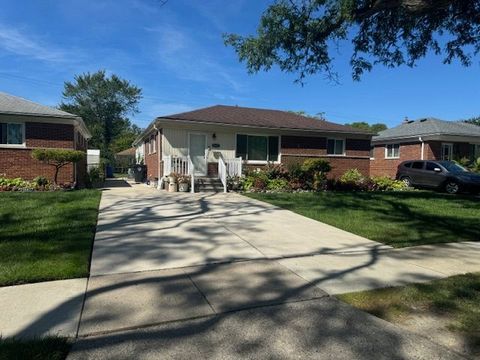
x,y
413,210
324,326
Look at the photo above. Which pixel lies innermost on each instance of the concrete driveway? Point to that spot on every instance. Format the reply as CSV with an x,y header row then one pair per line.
x,y
141,229
223,276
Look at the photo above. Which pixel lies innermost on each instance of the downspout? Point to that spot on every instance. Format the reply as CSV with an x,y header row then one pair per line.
x,y
158,156
423,146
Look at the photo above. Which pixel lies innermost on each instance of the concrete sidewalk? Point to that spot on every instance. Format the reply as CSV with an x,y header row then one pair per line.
x,y
313,329
46,308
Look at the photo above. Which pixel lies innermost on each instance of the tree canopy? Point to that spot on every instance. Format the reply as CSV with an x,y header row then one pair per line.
x,y
104,103
374,128
302,36
474,120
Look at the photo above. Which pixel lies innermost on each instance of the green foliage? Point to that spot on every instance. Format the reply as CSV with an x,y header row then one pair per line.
x,y
302,36
40,181
474,121
384,183
104,103
374,128
58,158
316,166
352,176
96,176
277,185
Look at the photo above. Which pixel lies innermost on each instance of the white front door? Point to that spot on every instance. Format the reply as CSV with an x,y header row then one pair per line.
x,y
197,152
447,151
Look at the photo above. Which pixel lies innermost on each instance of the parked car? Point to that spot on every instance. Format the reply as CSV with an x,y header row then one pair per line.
x,y
442,175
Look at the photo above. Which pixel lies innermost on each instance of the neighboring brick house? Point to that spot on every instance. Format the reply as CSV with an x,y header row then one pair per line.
x,y
257,136
25,125
424,139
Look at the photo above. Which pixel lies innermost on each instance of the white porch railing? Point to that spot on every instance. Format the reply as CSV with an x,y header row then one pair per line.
x,y
222,173
182,165
234,166
191,171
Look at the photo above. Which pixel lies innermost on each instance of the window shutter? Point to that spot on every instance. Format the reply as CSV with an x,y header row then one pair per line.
x,y
273,148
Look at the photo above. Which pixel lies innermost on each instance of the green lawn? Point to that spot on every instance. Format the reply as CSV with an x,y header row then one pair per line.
x,y
454,300
50,348
46,235
399,219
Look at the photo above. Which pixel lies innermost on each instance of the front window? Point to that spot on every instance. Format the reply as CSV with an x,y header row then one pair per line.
x,y
447,151
336,147
11,133
257,148
392,151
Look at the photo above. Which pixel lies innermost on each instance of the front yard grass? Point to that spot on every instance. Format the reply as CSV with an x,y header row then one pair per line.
x,y
398,219
451,304
51,348
46,235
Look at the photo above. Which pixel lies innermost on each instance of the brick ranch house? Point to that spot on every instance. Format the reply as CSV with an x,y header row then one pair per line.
x,y
230,134
424,139
25,125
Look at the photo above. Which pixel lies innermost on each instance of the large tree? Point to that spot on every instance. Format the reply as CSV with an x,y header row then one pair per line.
x,y
302,36
104,102
374,128
474,120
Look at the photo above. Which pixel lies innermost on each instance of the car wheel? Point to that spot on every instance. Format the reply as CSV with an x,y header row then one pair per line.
x,y
407,181
452,187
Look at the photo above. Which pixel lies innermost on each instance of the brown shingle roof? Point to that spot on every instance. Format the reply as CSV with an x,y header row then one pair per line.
x,y
129,152
276,119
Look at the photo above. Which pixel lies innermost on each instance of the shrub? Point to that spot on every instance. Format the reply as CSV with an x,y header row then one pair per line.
x,y
95,175
352,176
40,181
275,171
58,158
278,185
235,183
312,166
384,183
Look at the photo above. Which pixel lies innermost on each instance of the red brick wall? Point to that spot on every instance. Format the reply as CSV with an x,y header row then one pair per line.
x,y
42,135
152,160
296,149
18,162
339,164
388,167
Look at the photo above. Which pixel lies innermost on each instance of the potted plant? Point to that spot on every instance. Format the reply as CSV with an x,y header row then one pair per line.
x,y
172,182
183,183
155,182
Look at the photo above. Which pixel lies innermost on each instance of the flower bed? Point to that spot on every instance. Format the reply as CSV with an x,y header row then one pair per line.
x,y
309,176
40,183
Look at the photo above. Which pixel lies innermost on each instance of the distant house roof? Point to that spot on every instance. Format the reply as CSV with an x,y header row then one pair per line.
x,y
15,105
127,152
428,126
260,118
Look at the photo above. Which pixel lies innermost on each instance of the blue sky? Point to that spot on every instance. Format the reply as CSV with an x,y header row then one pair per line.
x,y
175,53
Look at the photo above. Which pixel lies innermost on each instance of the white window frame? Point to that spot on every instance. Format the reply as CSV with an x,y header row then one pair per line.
x,y
386,151
154,144
344,141
261,162
23,144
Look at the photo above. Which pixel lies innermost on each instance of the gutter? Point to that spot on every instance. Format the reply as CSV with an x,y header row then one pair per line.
x,y
423,147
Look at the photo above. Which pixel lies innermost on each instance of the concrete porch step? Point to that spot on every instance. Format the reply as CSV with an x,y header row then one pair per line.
x,y
208,184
